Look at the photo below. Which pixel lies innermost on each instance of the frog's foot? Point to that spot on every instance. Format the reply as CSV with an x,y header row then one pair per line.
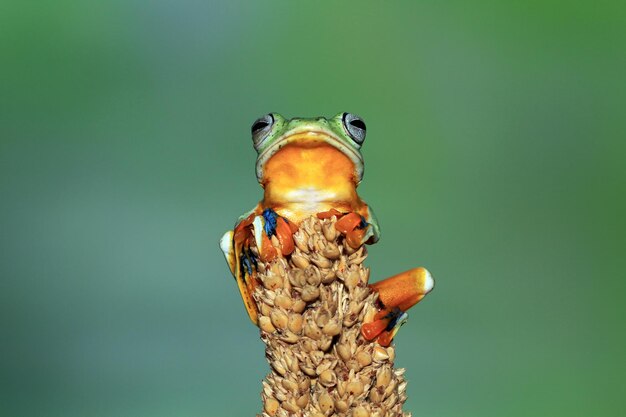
x,y
386,324
353,226
396,295
272,233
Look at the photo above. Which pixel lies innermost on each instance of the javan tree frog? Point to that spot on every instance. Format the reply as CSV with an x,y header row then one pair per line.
x,y
310,166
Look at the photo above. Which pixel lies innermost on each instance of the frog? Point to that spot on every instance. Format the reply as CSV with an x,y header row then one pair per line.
x,y
308,167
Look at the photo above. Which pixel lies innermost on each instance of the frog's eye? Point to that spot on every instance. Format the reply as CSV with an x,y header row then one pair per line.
x,y
355,127
260,129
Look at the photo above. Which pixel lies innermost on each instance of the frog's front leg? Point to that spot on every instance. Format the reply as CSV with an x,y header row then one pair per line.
x,y
359,227
396,295
256,228
241,262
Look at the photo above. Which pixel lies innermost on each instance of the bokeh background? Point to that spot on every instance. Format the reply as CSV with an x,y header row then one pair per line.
x,y
495,157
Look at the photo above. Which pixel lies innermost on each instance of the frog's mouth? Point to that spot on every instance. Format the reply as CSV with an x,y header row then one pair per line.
x,y
311,139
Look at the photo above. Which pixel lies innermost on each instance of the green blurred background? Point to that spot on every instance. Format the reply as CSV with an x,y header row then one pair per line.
x,y
495,157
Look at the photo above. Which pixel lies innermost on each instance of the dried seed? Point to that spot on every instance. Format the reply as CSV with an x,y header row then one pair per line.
x,y
280,395
332,328
326,403
330,233
328,378
358,257
354,307
402,387
298,306
331,252
290,406
324,343
292,363
341,406
316,358
371,311
309,345
350,319
320,261
363,358
312,331
390,388
313,276
328,276
304,384
390,401
308,370
301,238
341,386
310,293
352,279
279,319
290,385
317,242
295,323
283,301
377,395
360,294
265,323
271,406
299,261
303,400
322,317
344,351
278,267
383,376
289,337
354,388
297,278
265,309
360,412
273,282
278,367
353,364
380,354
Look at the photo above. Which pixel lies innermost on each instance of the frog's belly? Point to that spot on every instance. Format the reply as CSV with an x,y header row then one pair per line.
x,y
310,196
299,203
306,178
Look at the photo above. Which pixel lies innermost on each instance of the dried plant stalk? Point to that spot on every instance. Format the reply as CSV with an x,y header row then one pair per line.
x,y
311,305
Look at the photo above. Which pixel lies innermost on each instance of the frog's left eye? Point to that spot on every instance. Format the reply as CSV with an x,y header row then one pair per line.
x,y
355,127
261,128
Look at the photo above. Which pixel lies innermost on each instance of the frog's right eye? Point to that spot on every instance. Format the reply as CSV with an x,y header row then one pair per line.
x,y
261,128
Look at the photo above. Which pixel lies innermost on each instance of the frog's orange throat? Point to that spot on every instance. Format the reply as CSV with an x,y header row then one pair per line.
x,y
308,176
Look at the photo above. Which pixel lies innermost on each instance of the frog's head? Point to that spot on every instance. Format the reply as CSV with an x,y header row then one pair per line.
x,y
345,132
307,160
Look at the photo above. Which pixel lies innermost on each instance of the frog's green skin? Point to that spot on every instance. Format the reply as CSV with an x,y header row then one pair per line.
x,y
306,166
